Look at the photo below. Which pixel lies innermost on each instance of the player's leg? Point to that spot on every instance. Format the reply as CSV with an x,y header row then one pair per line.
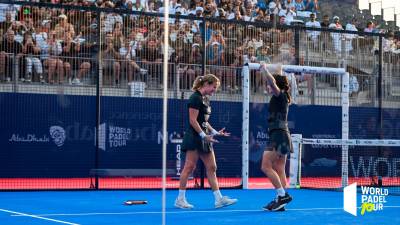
x,y
211,170
190,164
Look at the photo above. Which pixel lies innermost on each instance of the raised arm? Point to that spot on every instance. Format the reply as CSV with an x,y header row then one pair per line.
x,y
267,76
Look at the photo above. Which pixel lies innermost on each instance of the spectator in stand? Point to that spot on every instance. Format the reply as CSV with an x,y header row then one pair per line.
x,y
128,56
151,56
313,35
325,21
19,30
195,59
311,5
249,14
389,44
51,50
299,5
349,37
260,16
336,37
110,57
274,7
9,8
151,7
64,27
110,20
370,27
263,54
288,15
215,57
290,4
73,51
138,6
31,51
10,53
4,25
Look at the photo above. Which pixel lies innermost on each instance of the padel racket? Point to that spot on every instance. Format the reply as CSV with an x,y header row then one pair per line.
x,y
135,202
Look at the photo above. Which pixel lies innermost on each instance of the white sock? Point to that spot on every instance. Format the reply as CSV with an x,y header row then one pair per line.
x,y
181,194
217,195
280,192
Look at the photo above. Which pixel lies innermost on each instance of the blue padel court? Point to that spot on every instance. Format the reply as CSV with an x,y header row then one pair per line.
x,y
107,208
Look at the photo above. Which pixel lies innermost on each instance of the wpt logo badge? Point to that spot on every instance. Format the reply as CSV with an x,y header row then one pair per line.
x,y
372,199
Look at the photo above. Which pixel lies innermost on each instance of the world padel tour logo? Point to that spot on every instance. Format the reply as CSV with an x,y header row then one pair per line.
x,y
372,199
113,137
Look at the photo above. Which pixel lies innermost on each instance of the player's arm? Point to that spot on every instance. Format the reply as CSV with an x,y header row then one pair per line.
x,y
267,76
221,132
193,113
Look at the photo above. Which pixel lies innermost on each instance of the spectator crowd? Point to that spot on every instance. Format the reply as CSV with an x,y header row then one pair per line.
x,y
56,45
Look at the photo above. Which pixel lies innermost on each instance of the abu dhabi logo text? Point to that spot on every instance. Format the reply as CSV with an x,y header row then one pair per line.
x,y
28,138
57,133
372,199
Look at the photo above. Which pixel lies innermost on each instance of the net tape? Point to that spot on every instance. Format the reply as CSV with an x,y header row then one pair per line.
x,y
355,142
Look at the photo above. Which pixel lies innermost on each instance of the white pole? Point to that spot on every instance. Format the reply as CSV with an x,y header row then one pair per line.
x,y
295,166
345,128
165,108
245,126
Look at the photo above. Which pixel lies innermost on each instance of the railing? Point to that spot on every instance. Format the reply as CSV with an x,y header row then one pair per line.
x,y
76,46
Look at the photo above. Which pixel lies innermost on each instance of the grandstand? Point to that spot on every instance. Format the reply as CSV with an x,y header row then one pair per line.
x,y
136,45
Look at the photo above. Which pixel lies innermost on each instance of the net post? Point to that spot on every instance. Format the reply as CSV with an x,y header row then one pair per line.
x,y
245,126
345,128
295,166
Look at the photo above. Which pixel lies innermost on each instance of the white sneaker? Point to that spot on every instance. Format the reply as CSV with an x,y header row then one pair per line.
x,y
182,204
143,71
76,81
225,201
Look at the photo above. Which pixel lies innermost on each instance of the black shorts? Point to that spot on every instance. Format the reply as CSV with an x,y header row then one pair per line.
x,y
193,141
279,140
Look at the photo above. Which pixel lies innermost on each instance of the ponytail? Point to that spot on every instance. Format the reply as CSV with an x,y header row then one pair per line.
x,y
200,81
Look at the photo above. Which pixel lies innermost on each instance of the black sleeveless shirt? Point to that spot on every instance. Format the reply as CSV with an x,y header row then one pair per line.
x,y
201,103
278,112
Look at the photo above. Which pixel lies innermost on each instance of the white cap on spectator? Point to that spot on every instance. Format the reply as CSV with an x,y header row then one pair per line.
x,y
335,18
198,8
179,9
215,43
44,22
195,45
93,25
272,5
63,16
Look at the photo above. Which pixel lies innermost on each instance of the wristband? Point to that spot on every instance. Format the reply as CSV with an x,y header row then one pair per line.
x,y
214,132
202,135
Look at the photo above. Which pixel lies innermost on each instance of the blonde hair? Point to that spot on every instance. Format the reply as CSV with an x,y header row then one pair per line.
x,y
200,81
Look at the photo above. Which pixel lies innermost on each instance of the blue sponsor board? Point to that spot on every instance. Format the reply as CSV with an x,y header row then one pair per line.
x,y
54,135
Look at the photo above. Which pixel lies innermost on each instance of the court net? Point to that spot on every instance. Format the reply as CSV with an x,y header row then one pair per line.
x,y
325,164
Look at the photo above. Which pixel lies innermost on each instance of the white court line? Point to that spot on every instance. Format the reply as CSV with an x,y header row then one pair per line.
x,y
36,216
188,211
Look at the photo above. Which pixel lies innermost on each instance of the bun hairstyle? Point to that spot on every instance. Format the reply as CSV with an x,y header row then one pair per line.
x,y
283,83
200,81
